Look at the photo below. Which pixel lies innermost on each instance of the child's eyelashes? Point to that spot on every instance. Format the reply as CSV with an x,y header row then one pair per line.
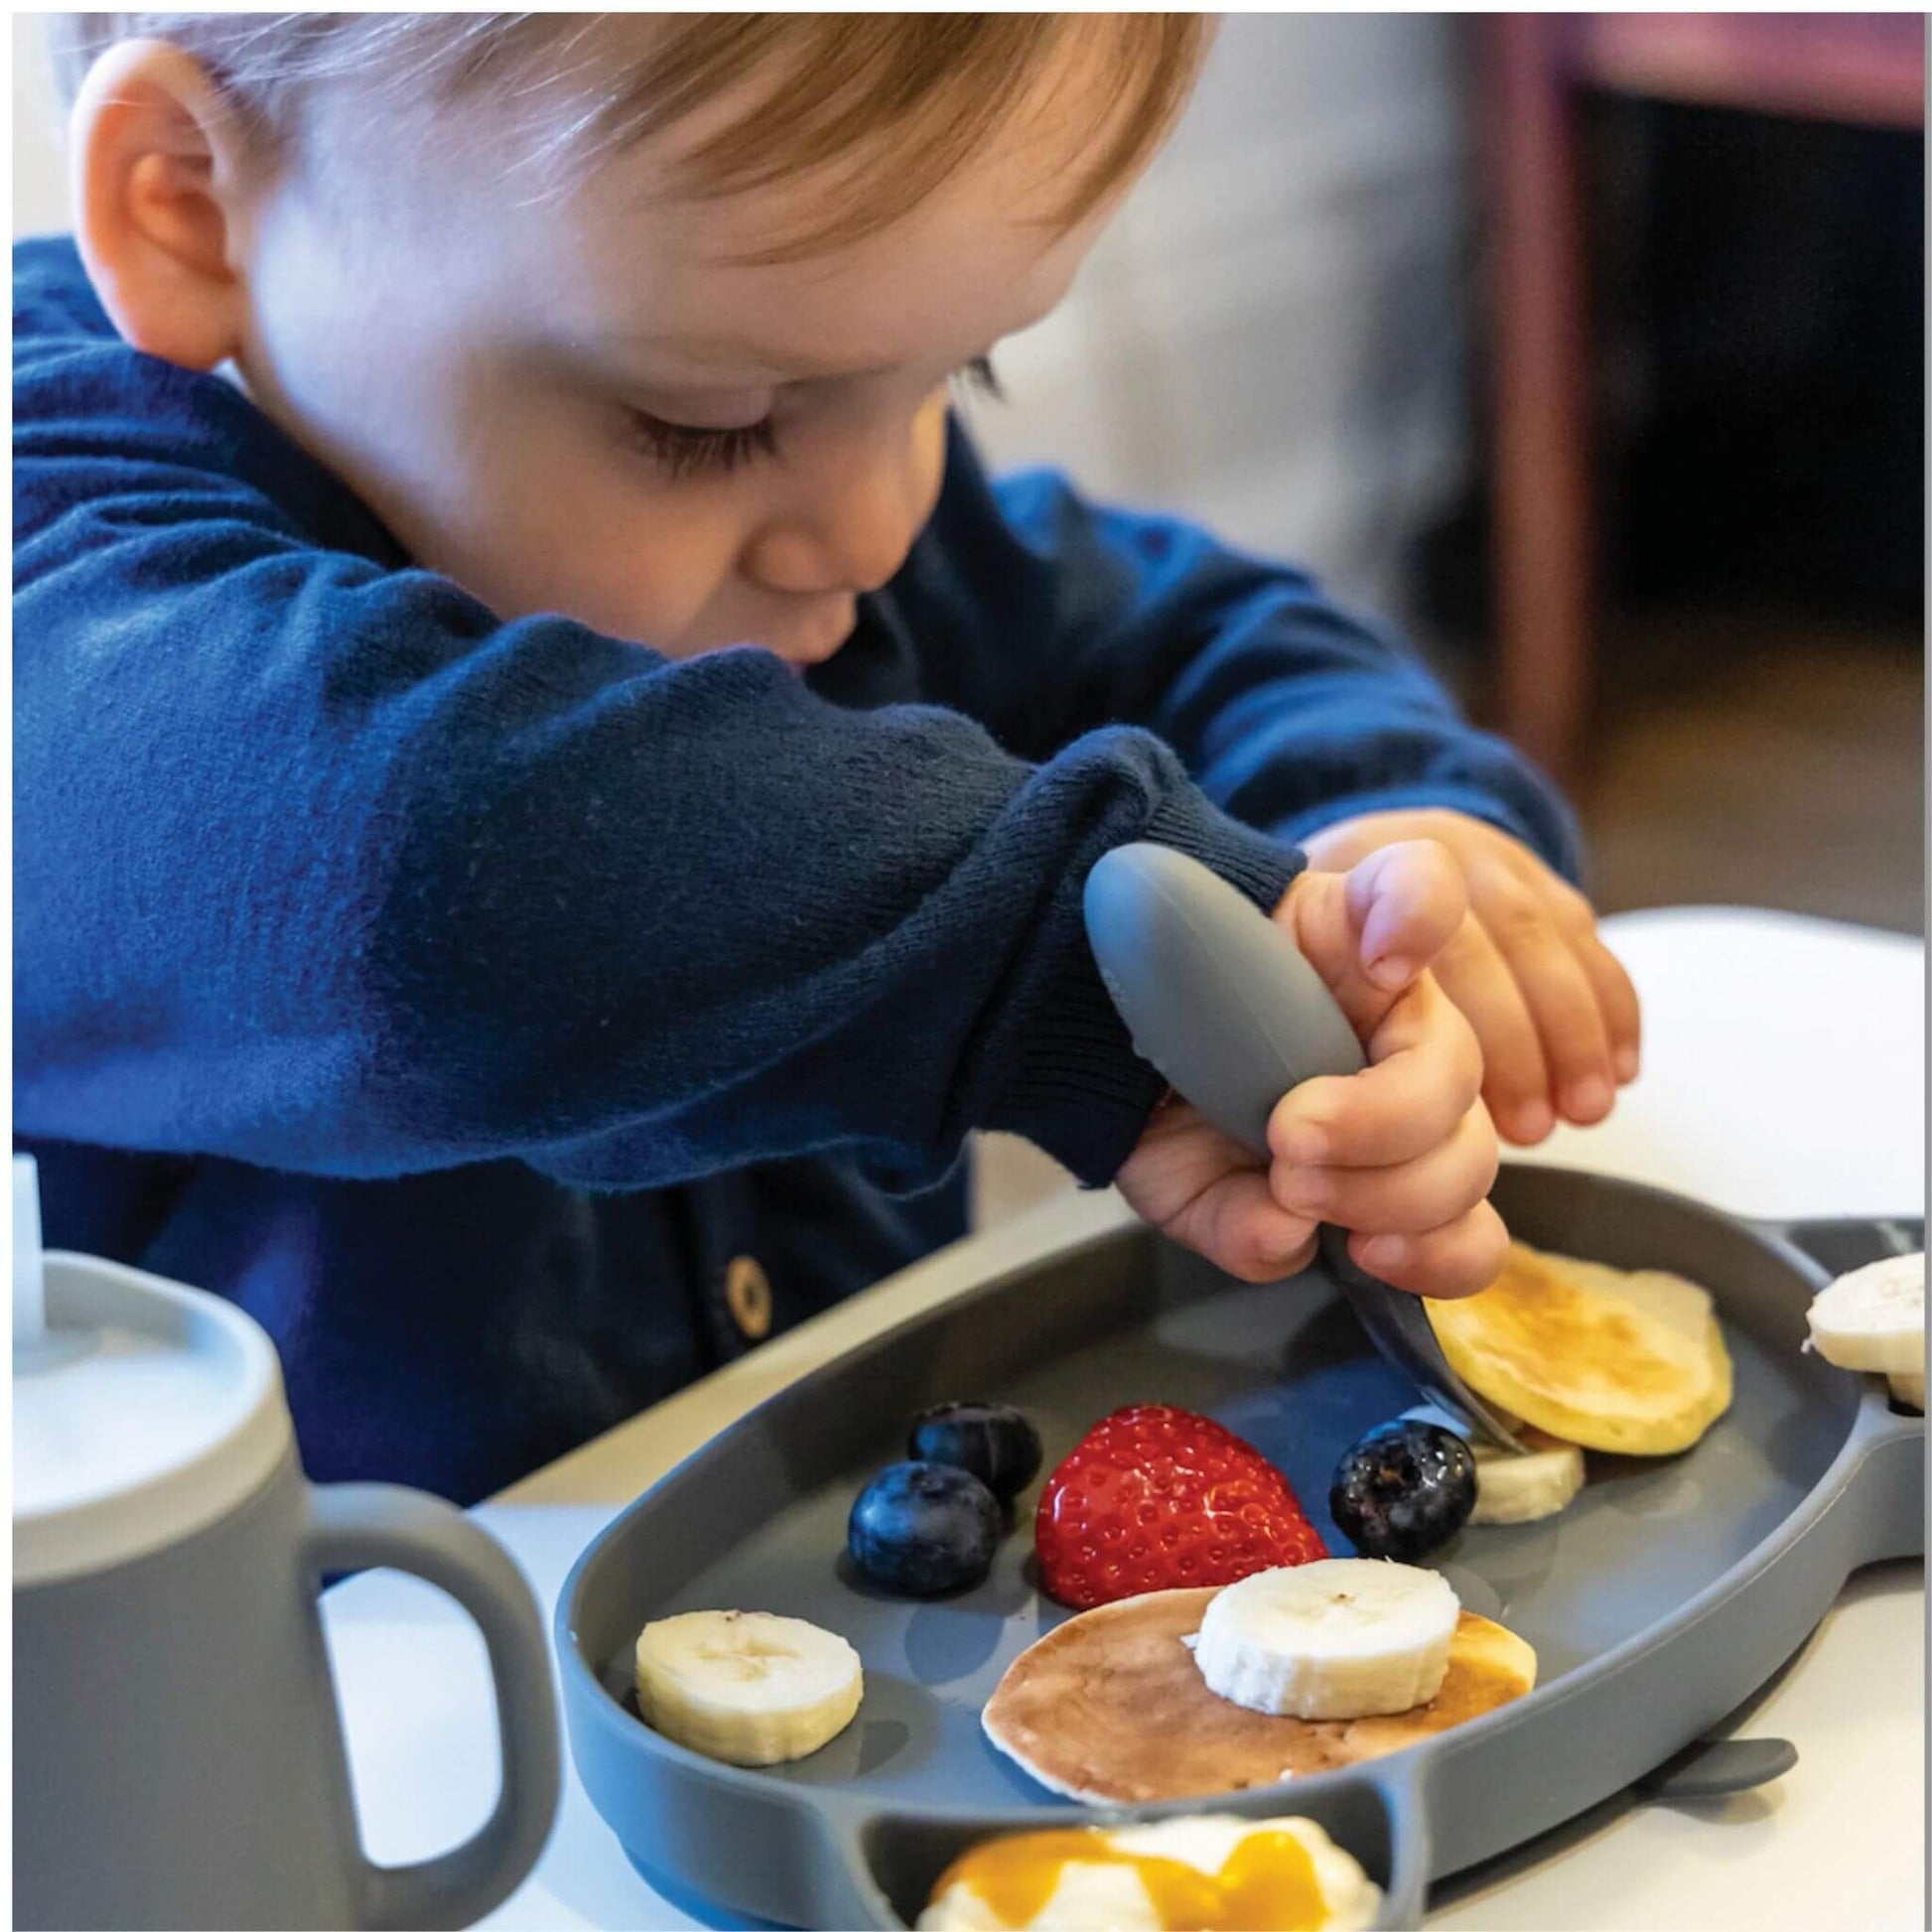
x,y
683,450
980,374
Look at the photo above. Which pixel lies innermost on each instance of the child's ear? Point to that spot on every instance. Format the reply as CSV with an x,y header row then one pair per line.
x,y
156,180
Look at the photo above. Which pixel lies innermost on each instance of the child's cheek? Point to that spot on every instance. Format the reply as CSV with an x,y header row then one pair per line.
x,y
930,453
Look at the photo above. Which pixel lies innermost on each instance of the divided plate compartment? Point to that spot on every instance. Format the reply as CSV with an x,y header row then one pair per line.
x,y
1657,1603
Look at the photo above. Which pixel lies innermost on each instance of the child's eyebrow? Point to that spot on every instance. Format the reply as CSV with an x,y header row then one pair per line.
x,y
764,360
749,364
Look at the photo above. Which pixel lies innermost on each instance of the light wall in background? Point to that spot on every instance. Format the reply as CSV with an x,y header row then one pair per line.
x,y
40,168
1271,337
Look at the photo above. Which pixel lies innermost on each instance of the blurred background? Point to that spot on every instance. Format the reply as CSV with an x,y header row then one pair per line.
x,y
1590,347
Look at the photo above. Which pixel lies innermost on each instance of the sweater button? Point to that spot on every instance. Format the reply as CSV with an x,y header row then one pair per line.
x,y
748,1293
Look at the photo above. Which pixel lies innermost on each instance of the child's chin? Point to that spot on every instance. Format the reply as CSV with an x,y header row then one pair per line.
x,y
801,662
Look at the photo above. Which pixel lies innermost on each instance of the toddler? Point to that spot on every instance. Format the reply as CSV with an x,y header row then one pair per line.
x,y
551,792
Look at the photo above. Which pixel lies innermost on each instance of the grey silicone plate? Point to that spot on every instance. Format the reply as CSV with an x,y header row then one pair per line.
x,y
1656,1604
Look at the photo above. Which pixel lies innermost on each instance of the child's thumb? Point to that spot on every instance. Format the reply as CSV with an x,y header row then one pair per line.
x,y
1405,903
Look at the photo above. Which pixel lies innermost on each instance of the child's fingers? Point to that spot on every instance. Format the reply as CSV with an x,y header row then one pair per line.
x,y
1245,1231
1410,1197
1426,1073
1616,999
1515,1080
1370,931
1460,1259
1236,1223
1205,1190
1559,997
1405,900
1556,1012
1576,920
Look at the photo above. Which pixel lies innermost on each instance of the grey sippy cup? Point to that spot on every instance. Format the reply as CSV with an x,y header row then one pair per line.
x,y
178,1750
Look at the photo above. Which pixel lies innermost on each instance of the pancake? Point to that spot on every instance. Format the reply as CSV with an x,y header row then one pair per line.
x,y
1111,1708
1629,1361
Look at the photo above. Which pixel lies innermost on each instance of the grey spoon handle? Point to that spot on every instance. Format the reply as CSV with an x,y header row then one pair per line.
x,y
1219,1000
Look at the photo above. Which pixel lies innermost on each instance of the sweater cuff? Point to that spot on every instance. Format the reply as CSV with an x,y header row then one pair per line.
x,y
1077,1088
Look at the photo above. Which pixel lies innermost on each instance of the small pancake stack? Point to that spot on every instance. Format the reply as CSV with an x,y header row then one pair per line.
x,y
1110,1708
1633,1363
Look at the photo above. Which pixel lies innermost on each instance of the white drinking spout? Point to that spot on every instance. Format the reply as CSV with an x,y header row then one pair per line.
x,y
30,1288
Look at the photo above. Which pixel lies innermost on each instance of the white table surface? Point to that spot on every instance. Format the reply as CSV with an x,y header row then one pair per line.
x,y
1783,1076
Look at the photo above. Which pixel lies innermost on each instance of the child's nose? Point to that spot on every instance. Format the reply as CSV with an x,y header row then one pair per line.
x,y
848,530
847,554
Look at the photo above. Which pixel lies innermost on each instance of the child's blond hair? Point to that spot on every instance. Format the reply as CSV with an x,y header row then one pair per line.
x,y
819,88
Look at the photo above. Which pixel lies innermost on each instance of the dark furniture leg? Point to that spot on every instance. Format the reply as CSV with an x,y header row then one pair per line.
x,y
1543,519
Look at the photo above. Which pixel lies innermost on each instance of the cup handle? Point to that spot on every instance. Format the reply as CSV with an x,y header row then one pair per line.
x,y
364,1525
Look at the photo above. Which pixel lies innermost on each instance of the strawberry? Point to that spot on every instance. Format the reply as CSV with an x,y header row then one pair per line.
x,y
1158,1499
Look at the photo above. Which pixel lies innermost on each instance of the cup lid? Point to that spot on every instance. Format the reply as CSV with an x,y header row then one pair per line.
x,y
145,1412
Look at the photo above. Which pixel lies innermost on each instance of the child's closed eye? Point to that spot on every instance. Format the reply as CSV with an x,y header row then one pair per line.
x,y
684,450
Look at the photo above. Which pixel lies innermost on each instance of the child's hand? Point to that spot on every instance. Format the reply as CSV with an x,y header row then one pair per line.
x,y
1401,1154
1553,1012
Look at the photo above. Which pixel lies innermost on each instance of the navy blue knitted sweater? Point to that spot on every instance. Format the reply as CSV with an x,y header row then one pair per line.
x,y
465,998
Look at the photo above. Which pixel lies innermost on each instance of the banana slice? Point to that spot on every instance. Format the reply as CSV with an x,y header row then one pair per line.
x,y
1909,1389
1341,1638
1874,1318
746,1686
1526,1488
1515,1489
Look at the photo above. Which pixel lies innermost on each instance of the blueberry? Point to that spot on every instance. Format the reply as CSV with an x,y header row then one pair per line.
x,y
920,1528
1405,1489
995,1441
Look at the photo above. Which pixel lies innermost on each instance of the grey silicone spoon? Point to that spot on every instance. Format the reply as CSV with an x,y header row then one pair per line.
x,y
1222,1004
